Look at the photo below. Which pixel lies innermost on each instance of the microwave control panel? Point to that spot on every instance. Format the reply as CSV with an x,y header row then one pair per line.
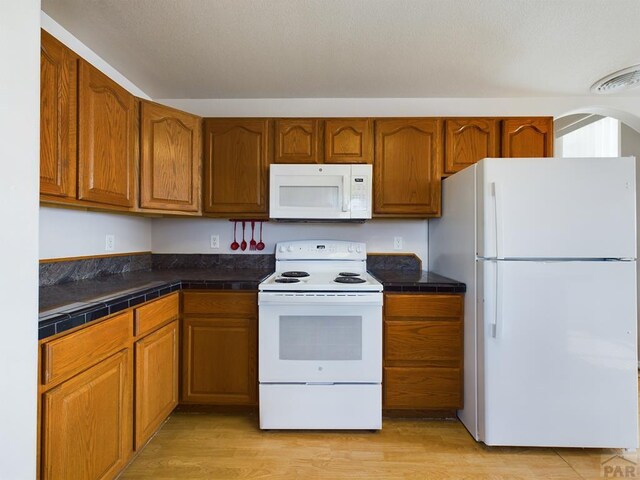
x,y
360,191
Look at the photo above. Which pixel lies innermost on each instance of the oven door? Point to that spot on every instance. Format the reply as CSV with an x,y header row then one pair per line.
x,y
320,337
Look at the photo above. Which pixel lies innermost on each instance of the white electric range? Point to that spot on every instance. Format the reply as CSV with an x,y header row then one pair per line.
x,y
320,339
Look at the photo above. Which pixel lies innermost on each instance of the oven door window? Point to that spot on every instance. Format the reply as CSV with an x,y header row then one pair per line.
x,y
317,337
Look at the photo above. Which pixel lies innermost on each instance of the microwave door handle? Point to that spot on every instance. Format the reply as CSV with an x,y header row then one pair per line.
x,y
345,194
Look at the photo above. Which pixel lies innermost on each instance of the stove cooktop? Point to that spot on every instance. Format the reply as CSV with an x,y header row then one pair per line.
x,y
321,281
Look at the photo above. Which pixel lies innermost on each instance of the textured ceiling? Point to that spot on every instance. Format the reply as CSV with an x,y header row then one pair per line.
x,y
358,48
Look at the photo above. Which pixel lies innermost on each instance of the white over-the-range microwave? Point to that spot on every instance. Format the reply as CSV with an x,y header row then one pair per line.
x,y
320,192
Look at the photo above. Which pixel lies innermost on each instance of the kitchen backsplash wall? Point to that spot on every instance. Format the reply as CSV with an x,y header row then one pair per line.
x,y
75,233
193,235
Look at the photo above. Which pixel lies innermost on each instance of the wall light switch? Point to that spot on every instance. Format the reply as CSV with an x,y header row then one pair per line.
x,y
215,241
109,243
397,243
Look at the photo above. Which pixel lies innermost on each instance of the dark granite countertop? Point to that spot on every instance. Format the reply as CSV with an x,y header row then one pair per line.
x,y
67,305
417,281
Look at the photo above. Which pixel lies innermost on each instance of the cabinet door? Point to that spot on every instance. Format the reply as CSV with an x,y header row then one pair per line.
x,y
348,140
106,141
87,422
422,388
219,361
296,141
58,118
170,159
468,140
156,380
236,161
423,351
407,167
527,137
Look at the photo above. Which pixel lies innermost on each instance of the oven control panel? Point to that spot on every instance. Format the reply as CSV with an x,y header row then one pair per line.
x,y
321,250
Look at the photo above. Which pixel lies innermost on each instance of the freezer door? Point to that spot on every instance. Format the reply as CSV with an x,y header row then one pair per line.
x,y
556,208
559,354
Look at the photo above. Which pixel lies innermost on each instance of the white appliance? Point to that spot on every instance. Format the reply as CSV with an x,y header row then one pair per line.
x,y
547,248
320,192
320,339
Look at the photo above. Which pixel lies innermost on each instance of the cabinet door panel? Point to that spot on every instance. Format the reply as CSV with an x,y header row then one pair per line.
x,y
156,380
219,358
469,140
170,161
422,388
348,140
236,161
434,343
527,137
407,167
106,147
58,118
87,422
296,141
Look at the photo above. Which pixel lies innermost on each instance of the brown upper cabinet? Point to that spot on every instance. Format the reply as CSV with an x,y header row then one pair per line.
x,y
170,159
407,167
348,140
58,118
106,140
236,159
527,137
297,140
468,140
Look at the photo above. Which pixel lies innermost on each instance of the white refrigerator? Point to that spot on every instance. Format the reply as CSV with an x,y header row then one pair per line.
x,y
547,249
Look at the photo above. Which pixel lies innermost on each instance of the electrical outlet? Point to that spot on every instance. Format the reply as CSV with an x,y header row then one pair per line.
x,y
215,241
109,243
397,243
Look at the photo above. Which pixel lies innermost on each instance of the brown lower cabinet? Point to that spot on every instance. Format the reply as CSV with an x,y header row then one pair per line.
x,y
423,352
220,347
156,380
87,417
106,388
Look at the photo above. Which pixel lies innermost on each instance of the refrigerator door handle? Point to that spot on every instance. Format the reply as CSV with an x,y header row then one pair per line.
x,y
497,313
497,213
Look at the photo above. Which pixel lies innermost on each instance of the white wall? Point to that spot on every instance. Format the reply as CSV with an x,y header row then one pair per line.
x,y
192,235
76,233
384,107
58,31
630,146
19,151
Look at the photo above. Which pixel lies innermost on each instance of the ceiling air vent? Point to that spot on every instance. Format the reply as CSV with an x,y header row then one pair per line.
x,y
618,81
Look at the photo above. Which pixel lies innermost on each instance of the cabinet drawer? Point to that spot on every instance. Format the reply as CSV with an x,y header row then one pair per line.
x,y
425,305
77,351
438,343
422,388
154,314
230,304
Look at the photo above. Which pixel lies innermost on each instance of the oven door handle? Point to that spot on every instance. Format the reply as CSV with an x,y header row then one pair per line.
x,y
371,298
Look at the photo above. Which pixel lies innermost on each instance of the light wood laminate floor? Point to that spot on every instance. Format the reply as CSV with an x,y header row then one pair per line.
x,y
230,446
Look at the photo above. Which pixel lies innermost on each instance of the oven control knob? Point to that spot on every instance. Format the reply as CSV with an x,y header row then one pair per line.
x,y
282,248
359,249
350,249
290,248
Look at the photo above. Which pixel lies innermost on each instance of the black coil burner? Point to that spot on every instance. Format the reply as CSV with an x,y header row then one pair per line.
x,y
286,280
349,280
294,274
349,274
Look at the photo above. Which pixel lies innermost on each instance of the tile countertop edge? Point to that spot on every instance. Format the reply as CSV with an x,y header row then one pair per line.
x,y
58,320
